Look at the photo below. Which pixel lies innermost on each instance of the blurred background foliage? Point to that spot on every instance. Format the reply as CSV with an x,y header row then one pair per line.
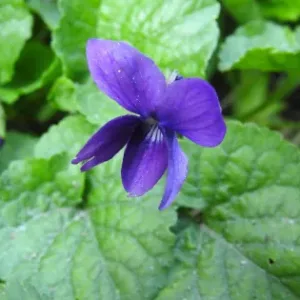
x,y
61,230
251,56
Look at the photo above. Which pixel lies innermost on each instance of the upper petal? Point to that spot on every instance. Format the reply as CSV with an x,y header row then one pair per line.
x,y
177,169
125,74
107,141
145,160
191,107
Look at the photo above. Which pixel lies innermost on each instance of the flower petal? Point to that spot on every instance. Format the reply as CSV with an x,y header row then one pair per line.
x,y
177,169
145,160
125,75
191,107
107,141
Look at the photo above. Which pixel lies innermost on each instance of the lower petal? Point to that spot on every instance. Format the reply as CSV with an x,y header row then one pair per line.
x,y
177,169
145,160
107,141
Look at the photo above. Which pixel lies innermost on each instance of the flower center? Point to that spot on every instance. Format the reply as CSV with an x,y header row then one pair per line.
x,y
173,77
150,121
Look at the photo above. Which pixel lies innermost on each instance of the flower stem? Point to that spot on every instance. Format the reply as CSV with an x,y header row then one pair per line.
x,y
284,88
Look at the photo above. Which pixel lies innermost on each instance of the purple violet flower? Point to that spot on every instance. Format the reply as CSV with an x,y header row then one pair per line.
x,y
188,106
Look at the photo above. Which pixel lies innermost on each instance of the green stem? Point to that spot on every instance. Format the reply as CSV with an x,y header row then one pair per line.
x,y
2,122
283,89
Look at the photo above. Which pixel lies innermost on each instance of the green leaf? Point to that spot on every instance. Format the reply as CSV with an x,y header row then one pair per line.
x,y
261,45
15,24
248,192
2,290
243,10
117,248
84,98
250,160
283,10
209,266
67,136
32,186
63,94
247,10
178,35
48,11
35,68
96,106
17,146
78,23
23,290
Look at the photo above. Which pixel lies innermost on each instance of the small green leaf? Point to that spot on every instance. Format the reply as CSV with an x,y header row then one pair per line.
x,y
178,35
67,136
243,10
261,45
211,267
48,11
63,94
35,67
15,24
249,159
17,146
247,10
283,10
